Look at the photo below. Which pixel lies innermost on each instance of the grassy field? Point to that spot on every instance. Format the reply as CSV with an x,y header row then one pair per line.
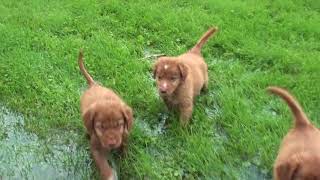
x,y
236,127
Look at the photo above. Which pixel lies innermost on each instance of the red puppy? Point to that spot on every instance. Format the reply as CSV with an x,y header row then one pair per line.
x,y
180,79
107,120
299,154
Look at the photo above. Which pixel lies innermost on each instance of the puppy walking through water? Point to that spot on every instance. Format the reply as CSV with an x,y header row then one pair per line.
x,y
180,79
107,119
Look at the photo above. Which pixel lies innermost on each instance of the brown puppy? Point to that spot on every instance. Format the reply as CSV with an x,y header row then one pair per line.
x,y
299,154
180,79
107,120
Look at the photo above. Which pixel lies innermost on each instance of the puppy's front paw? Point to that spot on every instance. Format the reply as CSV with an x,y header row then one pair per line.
x,y
113,177
185,117
184,123
204,90
123,151
108,174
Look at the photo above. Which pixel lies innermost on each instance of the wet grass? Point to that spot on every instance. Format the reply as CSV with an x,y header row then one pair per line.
x,y
236,127
26,156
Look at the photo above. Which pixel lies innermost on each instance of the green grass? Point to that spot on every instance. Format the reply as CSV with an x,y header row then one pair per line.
x,y
236,127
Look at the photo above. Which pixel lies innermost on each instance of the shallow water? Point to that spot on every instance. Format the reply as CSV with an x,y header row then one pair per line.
x,y
25,156
247,170
252,172
157,129
151,54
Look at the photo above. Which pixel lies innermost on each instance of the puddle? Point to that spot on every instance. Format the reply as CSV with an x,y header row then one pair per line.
x,y
24,156
247,170
151,54
157,129
220,134
253,172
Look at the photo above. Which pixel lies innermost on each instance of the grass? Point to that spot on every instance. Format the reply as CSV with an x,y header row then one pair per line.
x,y
236,127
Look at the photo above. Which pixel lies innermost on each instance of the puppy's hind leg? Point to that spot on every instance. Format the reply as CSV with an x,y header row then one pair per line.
x,y
204,72
205,83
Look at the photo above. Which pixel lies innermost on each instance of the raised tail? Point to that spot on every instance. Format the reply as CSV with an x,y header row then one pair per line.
x,y
203,40
83,70
300,117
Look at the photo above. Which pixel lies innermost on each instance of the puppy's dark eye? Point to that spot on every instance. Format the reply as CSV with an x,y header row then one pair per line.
x,y
98,125
120,124
173,78
118,127
159,77
104,127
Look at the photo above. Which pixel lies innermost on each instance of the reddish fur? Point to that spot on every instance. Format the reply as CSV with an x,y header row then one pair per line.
x,y
299,154
102,112
184,78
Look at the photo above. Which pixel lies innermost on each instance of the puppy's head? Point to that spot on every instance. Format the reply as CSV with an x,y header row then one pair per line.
x,y
110,121
169,74
302,166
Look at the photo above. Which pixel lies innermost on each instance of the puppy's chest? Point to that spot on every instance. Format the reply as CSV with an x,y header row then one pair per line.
x,y
172,100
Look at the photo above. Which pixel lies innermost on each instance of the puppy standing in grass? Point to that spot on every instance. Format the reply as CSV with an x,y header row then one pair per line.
x,y
107,120
180,79
299,154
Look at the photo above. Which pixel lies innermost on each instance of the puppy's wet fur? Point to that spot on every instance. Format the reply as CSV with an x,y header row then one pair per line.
x,y
180,79
299,154
107,119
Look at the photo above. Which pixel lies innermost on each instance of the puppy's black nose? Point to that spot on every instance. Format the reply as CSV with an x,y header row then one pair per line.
x,y
112,145
163,91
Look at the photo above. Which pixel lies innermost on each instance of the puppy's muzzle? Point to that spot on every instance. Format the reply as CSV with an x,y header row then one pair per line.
x,y
163,88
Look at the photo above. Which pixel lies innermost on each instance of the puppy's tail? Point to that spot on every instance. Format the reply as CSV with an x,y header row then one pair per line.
x,y
300,117
83,70
197,48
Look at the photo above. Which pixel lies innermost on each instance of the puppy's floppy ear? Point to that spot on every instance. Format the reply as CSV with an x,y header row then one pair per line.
x,y
156,64
183,71
128,117
88,119
287,169
154,69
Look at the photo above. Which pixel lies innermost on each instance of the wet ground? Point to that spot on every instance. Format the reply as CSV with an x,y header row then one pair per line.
x,y
246,171
25,156
252,172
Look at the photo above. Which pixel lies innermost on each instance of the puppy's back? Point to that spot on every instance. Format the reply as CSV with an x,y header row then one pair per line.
x,y
97,93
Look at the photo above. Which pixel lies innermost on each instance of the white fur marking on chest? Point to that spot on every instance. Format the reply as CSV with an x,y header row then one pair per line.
x,y
166,66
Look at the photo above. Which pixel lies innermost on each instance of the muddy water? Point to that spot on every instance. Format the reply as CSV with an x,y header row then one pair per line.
x,y
24,156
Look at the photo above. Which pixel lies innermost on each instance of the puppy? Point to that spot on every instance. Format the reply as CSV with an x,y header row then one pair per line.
x,y
299,154
180,79
107,119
